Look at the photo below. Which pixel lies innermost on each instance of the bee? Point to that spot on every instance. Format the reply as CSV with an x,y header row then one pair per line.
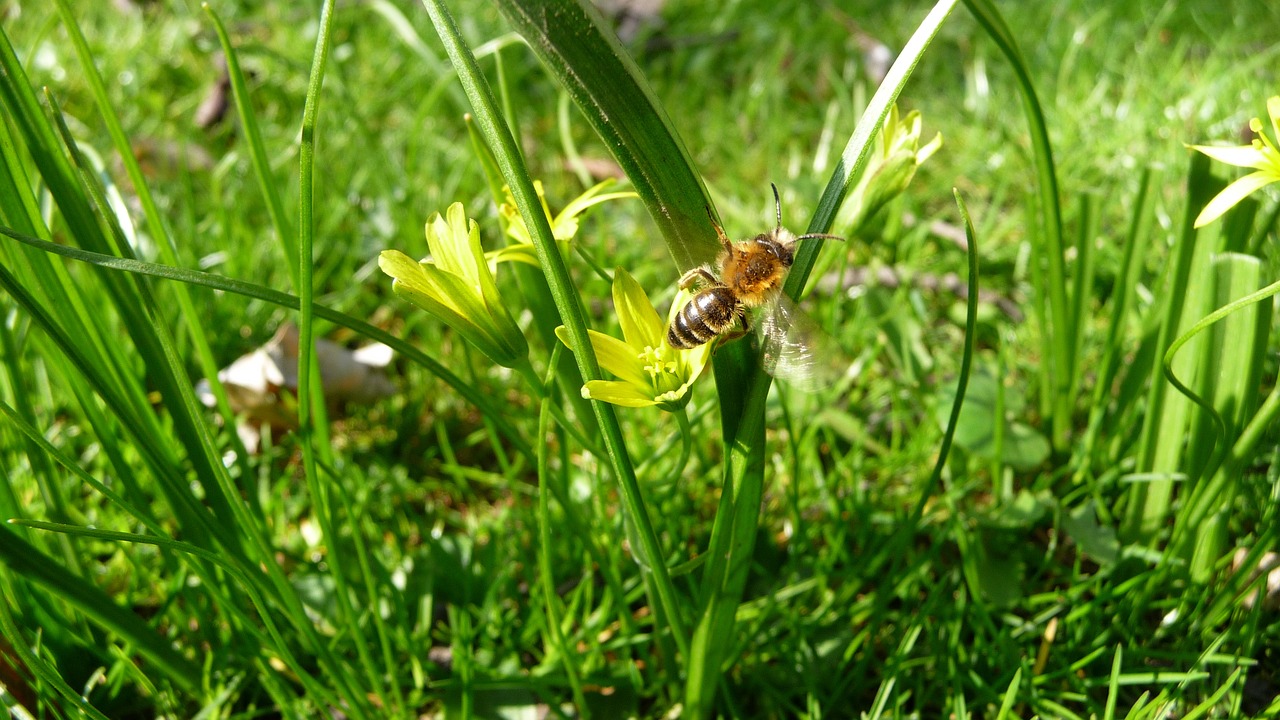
x,y
748,274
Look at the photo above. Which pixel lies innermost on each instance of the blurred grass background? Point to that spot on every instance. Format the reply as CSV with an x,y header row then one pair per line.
x,y
1016,590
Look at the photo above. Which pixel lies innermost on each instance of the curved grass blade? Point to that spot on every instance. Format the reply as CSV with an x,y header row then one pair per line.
x,y
285,300
966,365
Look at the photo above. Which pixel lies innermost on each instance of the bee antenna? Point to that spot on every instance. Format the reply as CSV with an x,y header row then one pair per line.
x,y
777,203
822,236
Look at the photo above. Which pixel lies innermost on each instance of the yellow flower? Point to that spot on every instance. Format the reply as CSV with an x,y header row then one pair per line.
x,y
649,371
564,226
890,169
456,285
1261,155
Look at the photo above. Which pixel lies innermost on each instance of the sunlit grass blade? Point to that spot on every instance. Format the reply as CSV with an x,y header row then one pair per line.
x,y
1161,443
267,181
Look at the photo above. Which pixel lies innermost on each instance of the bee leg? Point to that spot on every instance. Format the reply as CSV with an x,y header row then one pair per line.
x,y
692,278
725,242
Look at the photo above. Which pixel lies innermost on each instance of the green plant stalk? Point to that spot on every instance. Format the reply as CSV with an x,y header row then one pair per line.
x,y
310,390
1058,349
554,631
498,137
737,517
537,295
285,300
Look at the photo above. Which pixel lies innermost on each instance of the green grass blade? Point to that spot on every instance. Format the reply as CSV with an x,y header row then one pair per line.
x,y
1162,439
1010,696
1136,244
966,366
274,640
1058,348
44,671
257,150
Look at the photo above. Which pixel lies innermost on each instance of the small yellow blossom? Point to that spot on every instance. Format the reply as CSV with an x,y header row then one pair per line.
x,y
649,371
1261,155
564,225
890,169
456,285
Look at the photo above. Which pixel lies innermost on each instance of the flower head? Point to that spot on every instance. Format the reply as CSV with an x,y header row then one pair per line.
x,y
456,285
1261,155
564,225
649,371
890,170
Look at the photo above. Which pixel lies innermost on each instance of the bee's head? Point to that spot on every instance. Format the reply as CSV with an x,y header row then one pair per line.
x,y
779,242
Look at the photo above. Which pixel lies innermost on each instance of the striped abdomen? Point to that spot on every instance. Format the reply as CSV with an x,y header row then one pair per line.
x,y
705,316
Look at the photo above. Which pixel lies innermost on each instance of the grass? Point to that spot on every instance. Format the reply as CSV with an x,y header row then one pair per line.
x,y
471,546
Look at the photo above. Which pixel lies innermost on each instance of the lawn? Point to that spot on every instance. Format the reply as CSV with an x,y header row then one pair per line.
x,y
1020,457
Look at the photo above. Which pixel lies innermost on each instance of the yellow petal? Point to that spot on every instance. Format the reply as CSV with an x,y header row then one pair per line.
x,y
1232,194
617,393
1238,155
614,356
640,323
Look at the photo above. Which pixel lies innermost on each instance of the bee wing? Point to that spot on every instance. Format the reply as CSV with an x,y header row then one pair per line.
x,y
794,348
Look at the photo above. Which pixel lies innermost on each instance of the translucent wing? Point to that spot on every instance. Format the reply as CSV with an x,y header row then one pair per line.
x,y
795,349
